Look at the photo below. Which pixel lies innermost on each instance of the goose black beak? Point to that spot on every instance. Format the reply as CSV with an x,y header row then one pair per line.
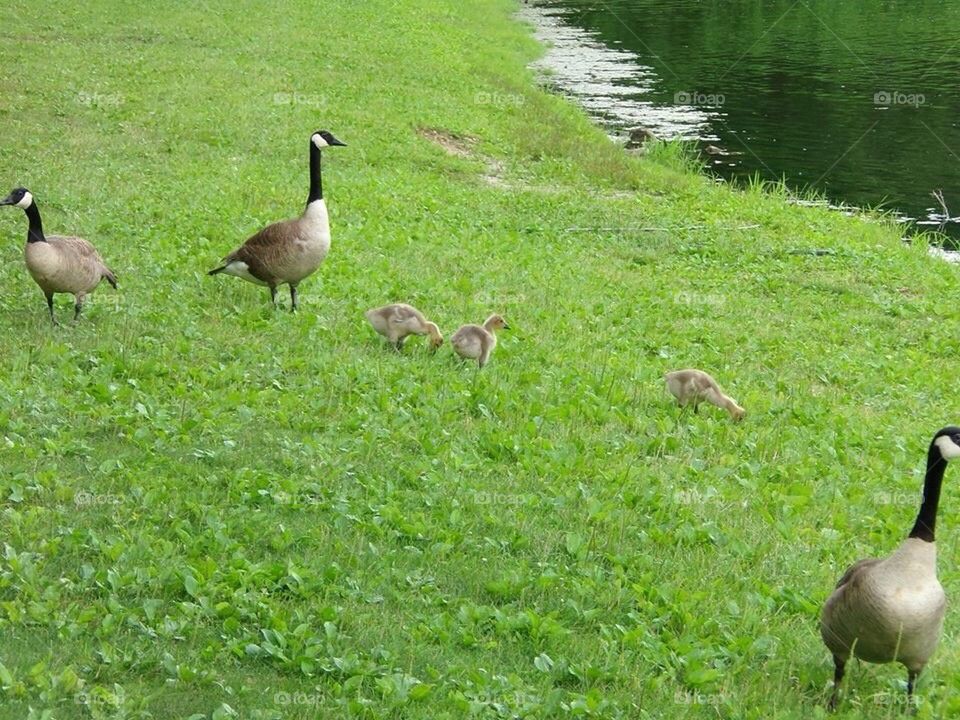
x,y
8,200
334,141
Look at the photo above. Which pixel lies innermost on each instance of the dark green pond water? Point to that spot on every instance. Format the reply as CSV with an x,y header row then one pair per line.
x,y
858,99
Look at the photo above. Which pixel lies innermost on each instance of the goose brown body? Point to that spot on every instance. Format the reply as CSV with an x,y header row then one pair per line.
x,y
284,252
888,610
66,265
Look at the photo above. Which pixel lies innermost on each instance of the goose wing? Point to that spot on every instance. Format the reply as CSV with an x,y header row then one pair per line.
x,y
402,313
84,255
855,569
263,250
79,248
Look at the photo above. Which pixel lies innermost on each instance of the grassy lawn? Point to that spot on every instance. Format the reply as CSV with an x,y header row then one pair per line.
x,y
211,509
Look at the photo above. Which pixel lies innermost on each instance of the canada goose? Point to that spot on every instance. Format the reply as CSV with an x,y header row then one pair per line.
x,y
398,320
475,342
695,386
891,609
57,263
290,250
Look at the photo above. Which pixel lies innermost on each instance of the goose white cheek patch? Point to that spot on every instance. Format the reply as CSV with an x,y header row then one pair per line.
x,y
26,201
319,141
948,448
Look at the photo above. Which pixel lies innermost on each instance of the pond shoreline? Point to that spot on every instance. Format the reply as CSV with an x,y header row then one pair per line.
x,y
614,86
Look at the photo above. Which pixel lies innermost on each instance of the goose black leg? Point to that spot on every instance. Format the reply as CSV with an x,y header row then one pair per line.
x,y
293,298
77,307
53,319
273,295
911,679
838,668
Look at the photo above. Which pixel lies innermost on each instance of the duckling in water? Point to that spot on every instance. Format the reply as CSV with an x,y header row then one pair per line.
x,y
475,342
696,386
398,320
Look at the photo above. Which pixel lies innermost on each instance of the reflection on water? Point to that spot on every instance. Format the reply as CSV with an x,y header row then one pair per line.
x,y
857,100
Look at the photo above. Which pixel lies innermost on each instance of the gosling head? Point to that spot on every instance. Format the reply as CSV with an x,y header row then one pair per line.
x,y
324,138
496,322
737,413
21,197
947,442
436,339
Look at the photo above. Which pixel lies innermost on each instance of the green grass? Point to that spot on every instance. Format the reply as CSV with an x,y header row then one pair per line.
x,y
210,509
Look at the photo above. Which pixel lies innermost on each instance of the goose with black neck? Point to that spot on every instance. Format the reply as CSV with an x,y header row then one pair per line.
x,y
891,609
59,263
286,252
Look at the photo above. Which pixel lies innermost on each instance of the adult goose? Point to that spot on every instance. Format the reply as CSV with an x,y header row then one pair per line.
x,y
58,263
891,609
290,250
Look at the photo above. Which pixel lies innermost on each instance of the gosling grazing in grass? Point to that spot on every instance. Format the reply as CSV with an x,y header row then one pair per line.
x,y
476,342
398,320
891,609
696,386
290,250
59,264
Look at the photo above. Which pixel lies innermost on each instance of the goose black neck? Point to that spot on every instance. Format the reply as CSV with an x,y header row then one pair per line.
x,y
35,233
316,184
926,521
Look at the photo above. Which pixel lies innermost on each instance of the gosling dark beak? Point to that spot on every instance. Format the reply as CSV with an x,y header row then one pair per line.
x,y
506,327
334,141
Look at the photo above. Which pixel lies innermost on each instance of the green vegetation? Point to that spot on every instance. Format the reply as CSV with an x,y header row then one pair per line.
x,y
210,509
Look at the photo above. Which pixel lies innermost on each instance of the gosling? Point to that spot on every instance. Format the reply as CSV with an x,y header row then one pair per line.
x,y
696,386
476,342
59,264
398,320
